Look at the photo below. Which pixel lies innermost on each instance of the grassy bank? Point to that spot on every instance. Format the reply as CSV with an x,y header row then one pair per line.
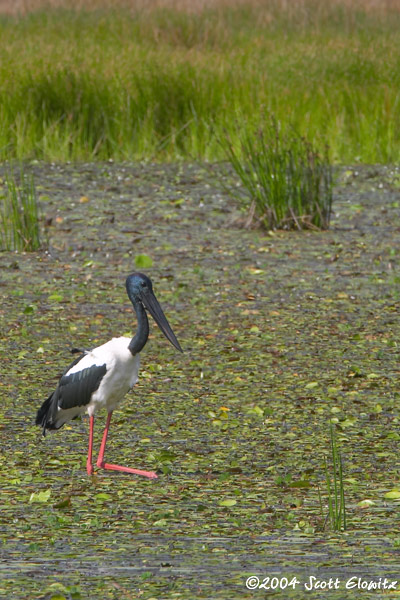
x,y
163,82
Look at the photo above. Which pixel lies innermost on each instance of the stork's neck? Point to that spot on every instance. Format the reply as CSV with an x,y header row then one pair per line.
x,y
140,338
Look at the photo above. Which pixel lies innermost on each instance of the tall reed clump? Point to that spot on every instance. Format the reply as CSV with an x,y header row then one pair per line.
x,y
286,181
335,490
19,213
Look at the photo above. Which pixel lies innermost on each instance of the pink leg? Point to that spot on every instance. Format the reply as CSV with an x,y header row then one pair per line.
x,y
89,466
103,465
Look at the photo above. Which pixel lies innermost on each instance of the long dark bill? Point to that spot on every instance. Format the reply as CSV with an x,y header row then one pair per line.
x,y
154,308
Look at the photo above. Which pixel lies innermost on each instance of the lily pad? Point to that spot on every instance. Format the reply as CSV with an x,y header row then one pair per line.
x,y
143,261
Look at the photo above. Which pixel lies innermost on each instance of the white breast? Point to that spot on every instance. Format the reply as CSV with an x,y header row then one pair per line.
x,y
121,375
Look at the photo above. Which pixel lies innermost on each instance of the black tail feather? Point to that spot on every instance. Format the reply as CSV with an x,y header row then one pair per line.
x,y
43,415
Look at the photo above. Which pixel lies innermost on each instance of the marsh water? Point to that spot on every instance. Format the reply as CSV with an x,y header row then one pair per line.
x,y
283,332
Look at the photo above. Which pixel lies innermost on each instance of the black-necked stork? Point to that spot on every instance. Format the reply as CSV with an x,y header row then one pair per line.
x,y
101,377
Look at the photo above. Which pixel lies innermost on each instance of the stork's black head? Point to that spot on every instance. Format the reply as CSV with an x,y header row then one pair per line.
x,y
140,289
137,285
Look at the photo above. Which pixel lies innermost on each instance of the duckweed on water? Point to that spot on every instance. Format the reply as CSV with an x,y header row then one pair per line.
x,y
282,334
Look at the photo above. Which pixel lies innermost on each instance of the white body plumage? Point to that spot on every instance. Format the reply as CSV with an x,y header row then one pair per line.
x,y
121,375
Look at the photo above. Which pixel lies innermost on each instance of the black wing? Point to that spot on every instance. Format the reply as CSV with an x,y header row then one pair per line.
x,y
73,390
77,389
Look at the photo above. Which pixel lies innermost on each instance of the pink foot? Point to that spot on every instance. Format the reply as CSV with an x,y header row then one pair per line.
x,y
89,468
103,465
149,474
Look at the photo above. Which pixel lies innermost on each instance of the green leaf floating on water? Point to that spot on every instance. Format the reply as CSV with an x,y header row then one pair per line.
x,y
102,496
40,496
63,503
29,309
55,297
301,483
142,261
393,495
366,503
227,502
160,523
311,385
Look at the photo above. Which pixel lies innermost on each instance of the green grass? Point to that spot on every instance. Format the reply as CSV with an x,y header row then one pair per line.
x,y
163,83
335,490
19,213
286,182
